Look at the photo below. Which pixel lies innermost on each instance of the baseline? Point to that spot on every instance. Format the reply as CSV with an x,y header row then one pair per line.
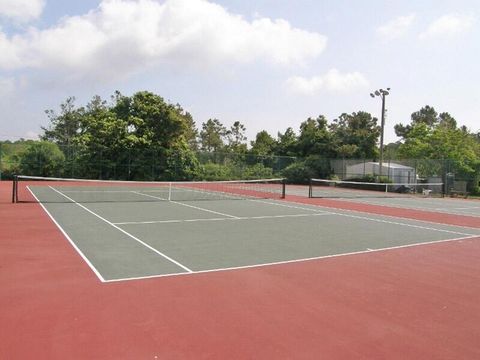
x,y
286,262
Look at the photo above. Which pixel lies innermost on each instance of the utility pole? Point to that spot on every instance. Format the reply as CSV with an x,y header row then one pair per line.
x,y
382,94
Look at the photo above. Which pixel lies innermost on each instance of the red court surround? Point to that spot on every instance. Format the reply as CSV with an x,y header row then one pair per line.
x,y
411,303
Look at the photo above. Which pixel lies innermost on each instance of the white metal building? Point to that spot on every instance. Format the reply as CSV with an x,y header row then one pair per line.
x,y
397,173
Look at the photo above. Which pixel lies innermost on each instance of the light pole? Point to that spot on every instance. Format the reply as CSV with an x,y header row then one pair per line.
x,y
381,93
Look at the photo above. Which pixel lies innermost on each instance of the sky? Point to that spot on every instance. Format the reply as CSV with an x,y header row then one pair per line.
x,y
269,64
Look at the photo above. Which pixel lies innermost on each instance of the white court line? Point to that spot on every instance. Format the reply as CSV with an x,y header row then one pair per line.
x,y
405,205
288,261
369,251
381,220
125,232
82,255
217,219
187,205
292,206
467,208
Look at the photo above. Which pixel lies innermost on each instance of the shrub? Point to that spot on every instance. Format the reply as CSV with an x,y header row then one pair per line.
x,y
319,166
211,171
298,173
42,158
257,171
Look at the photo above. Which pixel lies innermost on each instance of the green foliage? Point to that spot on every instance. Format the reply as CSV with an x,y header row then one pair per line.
x,y
136,137
212,135
426,116
315,138
11,154
232,170
431,136
355,135
181,164
211,171
236,138
390,151
257,171
442,140
298,173
287,143
143,137
65,126
319,166
264,144
42,159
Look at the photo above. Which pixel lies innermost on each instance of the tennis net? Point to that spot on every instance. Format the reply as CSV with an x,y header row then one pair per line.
x,y
47,189
323,188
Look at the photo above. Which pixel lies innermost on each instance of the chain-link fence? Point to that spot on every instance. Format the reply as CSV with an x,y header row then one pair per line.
x,y
166,164
408,171
34,158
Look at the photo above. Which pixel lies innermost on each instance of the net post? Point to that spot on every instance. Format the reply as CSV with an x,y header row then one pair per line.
x,y
14,189
170,191
310,191
284,181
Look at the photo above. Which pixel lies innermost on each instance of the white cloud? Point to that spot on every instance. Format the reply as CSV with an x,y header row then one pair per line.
x,y
7,86
21,10
396,28
448,25
332,81
121,37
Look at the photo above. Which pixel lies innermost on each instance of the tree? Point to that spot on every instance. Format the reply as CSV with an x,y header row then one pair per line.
x,y
212,135
42,158
191,133
440,138
315,138
236,138
390,151
426,115
287,143
355,135
264,144
103,144
149,116
134,138
64,126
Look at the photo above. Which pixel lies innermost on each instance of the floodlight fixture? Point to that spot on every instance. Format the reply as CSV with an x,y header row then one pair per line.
x,y
372,95
377,92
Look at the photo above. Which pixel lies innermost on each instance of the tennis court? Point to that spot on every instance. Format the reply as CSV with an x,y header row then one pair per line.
x,y
427,197
234,270
130,231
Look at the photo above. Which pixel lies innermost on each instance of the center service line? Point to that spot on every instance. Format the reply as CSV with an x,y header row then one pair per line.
x,y
187,205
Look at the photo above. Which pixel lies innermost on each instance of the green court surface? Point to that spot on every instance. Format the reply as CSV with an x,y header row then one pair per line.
x,y
136,239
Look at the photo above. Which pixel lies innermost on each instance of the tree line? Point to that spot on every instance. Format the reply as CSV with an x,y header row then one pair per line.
x,y
144,137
